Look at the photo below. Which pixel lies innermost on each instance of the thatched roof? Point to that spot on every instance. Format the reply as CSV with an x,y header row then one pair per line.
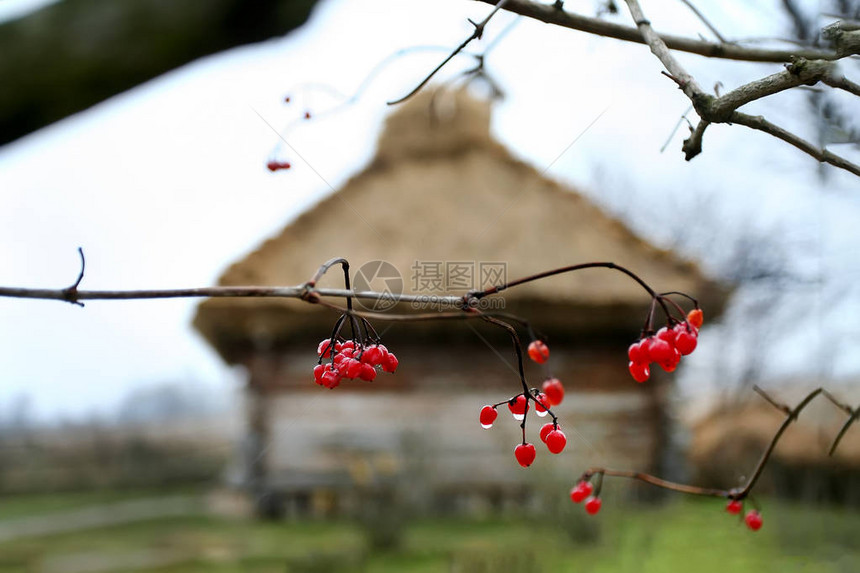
x,y
440,189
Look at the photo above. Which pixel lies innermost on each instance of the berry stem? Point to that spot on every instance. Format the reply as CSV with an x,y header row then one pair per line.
x,y
567,269
683,294
334,333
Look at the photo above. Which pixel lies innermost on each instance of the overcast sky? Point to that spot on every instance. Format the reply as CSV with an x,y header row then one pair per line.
x,y
165,185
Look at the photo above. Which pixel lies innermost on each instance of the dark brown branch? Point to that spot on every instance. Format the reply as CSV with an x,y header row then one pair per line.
x,y
477,32
843,429
853,414
791,415
572,268
655,481
781,407
552,15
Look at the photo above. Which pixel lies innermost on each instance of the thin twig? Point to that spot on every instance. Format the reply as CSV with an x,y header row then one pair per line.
x,y
705,21
477,32
70,293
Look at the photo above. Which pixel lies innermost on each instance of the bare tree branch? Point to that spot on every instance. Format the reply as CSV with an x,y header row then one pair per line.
x,y
554,15
822,155
791,415
723,109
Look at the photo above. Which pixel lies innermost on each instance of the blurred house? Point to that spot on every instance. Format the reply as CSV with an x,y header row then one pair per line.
x,y
449,209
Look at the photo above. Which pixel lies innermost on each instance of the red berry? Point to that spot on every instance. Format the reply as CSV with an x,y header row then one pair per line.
x,y
390,362
330,377
640,372
753,520
695,317
368,373
592,505
353,368
538,351
672,363
667,335
541,409
659,350
555,441
518,406
686,342
581,491
307,115
488,416
318,372
553,390
635,353
734,507
324,349
645,351
546,429
525,454
287,99
372,355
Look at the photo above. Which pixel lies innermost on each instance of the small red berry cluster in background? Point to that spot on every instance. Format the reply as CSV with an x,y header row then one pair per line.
x,y
665,347
351,360
582,492
273,165
752,519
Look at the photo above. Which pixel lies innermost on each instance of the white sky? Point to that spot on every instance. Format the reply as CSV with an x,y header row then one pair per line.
x,y
165,185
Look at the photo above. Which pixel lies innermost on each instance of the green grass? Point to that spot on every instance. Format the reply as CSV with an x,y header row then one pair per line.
x,y
27,505
685,536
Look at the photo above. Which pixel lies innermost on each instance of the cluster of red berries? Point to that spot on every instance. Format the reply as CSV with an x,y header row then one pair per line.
x,y
752,519
273,165
550,434
665,347
551,394
582,492
351,360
